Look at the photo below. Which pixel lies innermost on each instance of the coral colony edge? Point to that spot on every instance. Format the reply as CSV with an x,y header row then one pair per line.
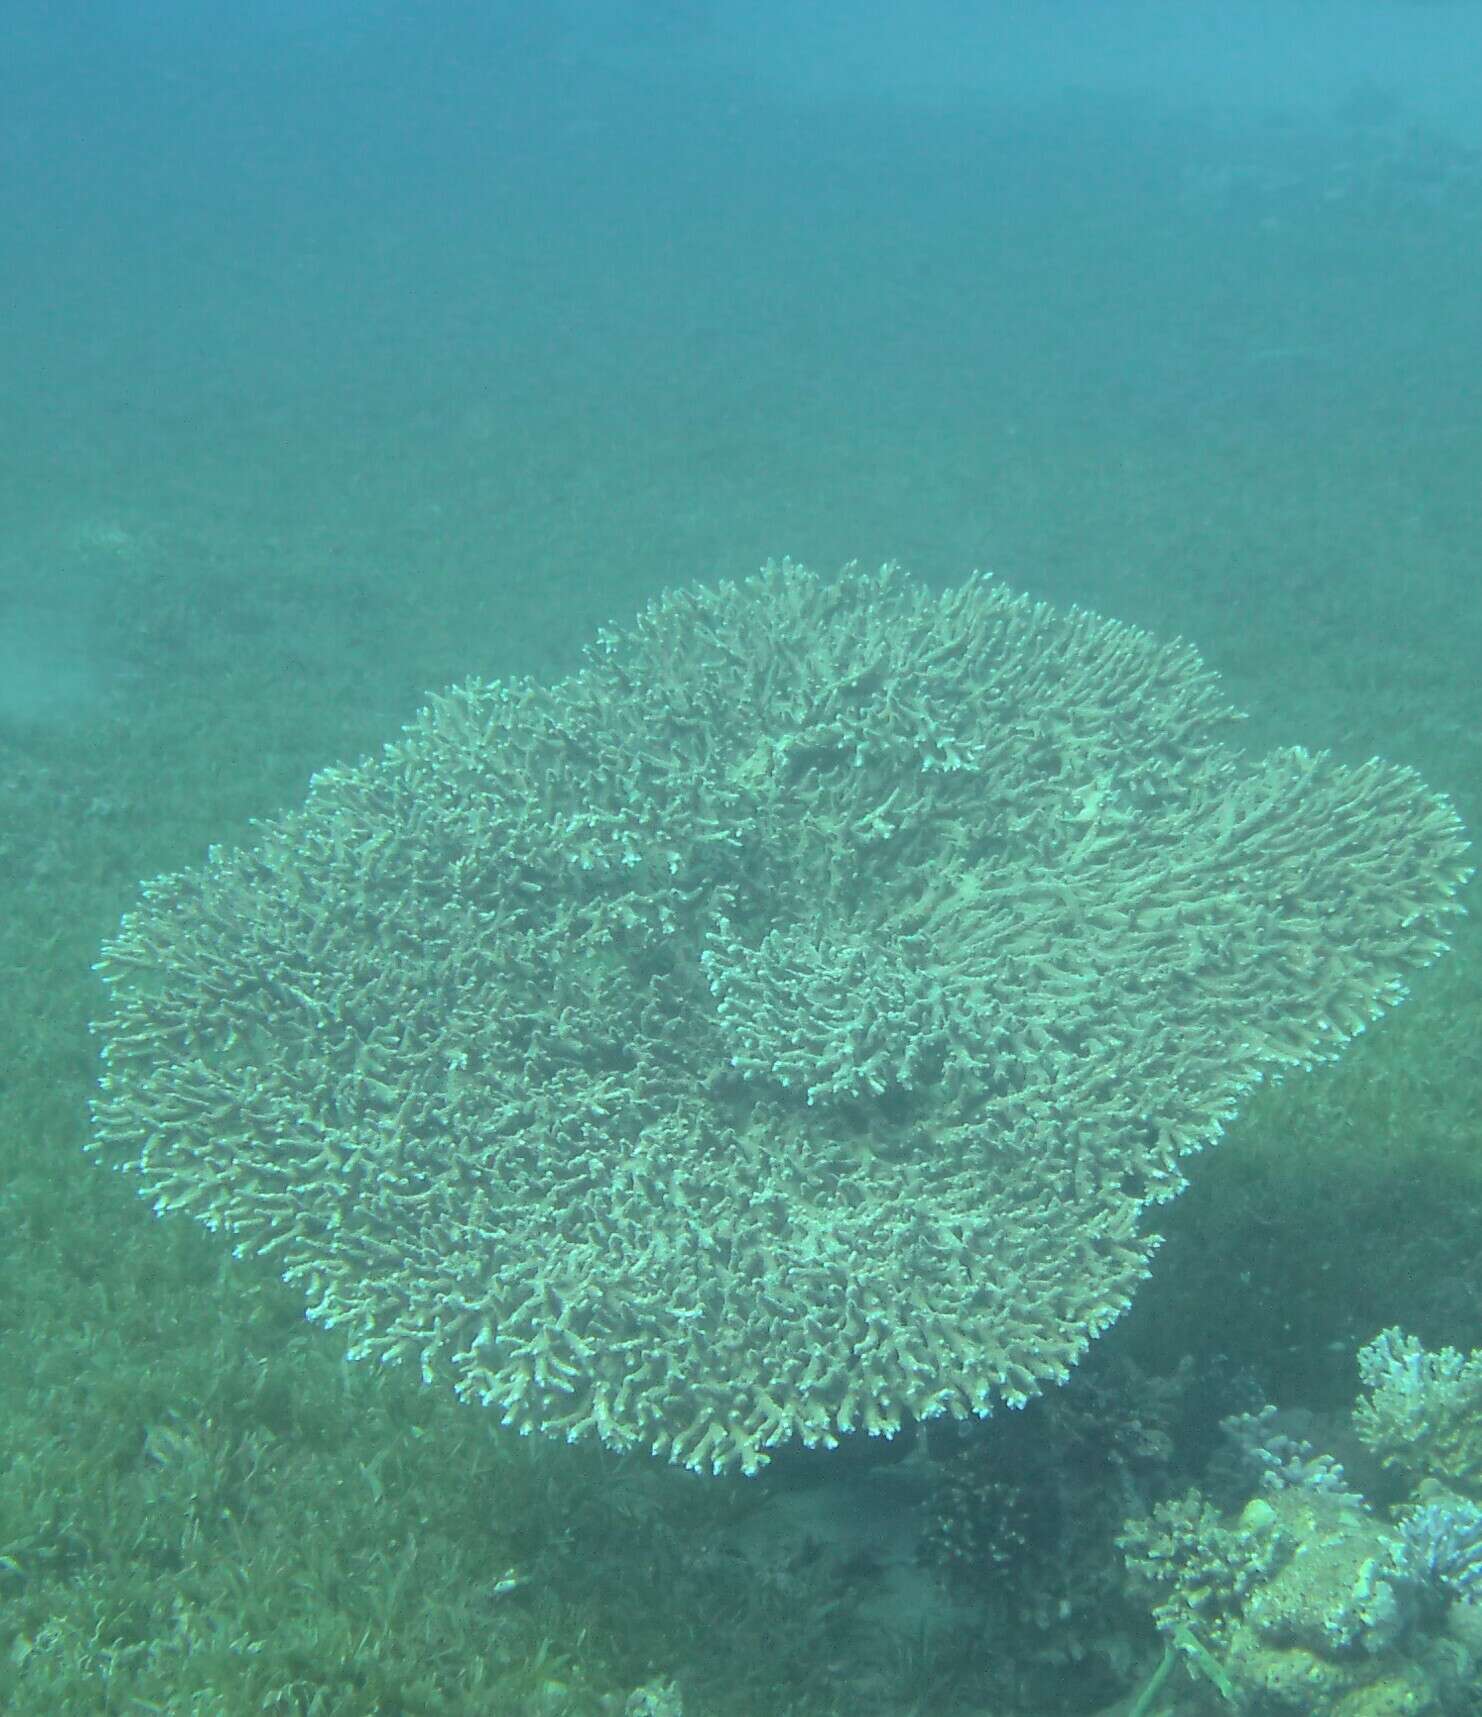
x,y
778,1028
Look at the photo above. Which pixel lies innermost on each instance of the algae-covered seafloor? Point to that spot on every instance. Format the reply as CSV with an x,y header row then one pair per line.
x,y
222,575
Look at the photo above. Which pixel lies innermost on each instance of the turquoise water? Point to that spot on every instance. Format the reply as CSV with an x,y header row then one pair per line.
x,y
348,356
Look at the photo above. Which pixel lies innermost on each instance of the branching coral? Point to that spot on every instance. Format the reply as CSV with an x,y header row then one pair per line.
x,y
778,1028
